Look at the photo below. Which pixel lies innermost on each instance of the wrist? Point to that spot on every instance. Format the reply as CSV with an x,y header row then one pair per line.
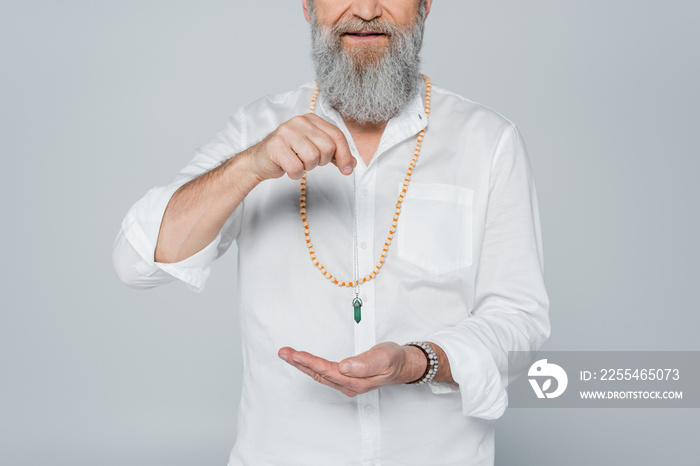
x,y
241,171
415,364
432,364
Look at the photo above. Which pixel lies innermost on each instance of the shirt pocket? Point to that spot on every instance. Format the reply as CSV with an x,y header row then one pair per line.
x,y
435,227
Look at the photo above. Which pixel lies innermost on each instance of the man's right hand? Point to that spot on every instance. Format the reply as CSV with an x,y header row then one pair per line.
x,y
300,144
198,209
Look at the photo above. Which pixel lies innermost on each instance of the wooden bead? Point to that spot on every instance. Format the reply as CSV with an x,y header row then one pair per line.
x,y
402,194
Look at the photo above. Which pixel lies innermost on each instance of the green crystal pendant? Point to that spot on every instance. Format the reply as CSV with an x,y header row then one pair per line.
x,y
357,305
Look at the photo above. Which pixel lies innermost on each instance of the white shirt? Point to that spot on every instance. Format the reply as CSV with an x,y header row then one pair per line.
x,y
464,271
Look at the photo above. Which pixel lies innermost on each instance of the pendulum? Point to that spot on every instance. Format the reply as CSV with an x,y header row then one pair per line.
x,y
357,305
357,302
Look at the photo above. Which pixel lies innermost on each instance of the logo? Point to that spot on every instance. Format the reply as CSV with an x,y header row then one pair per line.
x,y
542,369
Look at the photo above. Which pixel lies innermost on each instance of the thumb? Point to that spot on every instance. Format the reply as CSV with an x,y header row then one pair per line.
x,y
346,166
344,160
357,367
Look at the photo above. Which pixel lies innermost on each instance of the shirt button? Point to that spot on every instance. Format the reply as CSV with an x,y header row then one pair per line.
x,y
364,192
369,409
363,245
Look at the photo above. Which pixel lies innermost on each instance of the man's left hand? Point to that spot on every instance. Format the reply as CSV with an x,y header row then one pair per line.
x,y
384,364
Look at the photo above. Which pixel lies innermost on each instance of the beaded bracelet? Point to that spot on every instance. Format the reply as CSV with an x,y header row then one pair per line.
x,y
432,359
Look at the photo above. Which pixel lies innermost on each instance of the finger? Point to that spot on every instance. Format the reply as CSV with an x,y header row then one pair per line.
x,y
313,362
289,162
319,377
289,141
307,152
308,128
286,353
324,143
331,372
343,157
324,380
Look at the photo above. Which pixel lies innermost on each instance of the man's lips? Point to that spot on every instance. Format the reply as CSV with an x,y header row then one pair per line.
x,y
364,34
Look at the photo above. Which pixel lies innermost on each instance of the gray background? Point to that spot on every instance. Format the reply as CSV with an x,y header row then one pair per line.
x,y
103,100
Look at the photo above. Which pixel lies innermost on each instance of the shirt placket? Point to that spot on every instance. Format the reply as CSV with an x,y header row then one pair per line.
x,y
365,331
365,195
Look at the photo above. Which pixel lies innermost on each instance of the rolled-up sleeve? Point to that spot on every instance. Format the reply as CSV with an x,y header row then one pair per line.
x,y
511,310
133,252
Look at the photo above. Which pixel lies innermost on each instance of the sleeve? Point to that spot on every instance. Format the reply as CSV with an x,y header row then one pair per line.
x,y
133,252
511,311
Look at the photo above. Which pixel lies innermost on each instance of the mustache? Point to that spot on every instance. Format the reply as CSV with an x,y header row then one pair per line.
x,y
373,26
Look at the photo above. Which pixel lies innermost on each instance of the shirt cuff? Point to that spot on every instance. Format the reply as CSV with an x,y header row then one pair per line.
x,y
473,369
439,388
141,228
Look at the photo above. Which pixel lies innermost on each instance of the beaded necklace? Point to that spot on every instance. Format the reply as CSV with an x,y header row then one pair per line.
x,y
357,302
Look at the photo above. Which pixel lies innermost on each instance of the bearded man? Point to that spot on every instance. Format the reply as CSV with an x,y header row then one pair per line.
x,y
396,263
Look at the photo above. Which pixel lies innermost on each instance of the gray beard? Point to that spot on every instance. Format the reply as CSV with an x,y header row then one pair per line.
x,y
370,85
